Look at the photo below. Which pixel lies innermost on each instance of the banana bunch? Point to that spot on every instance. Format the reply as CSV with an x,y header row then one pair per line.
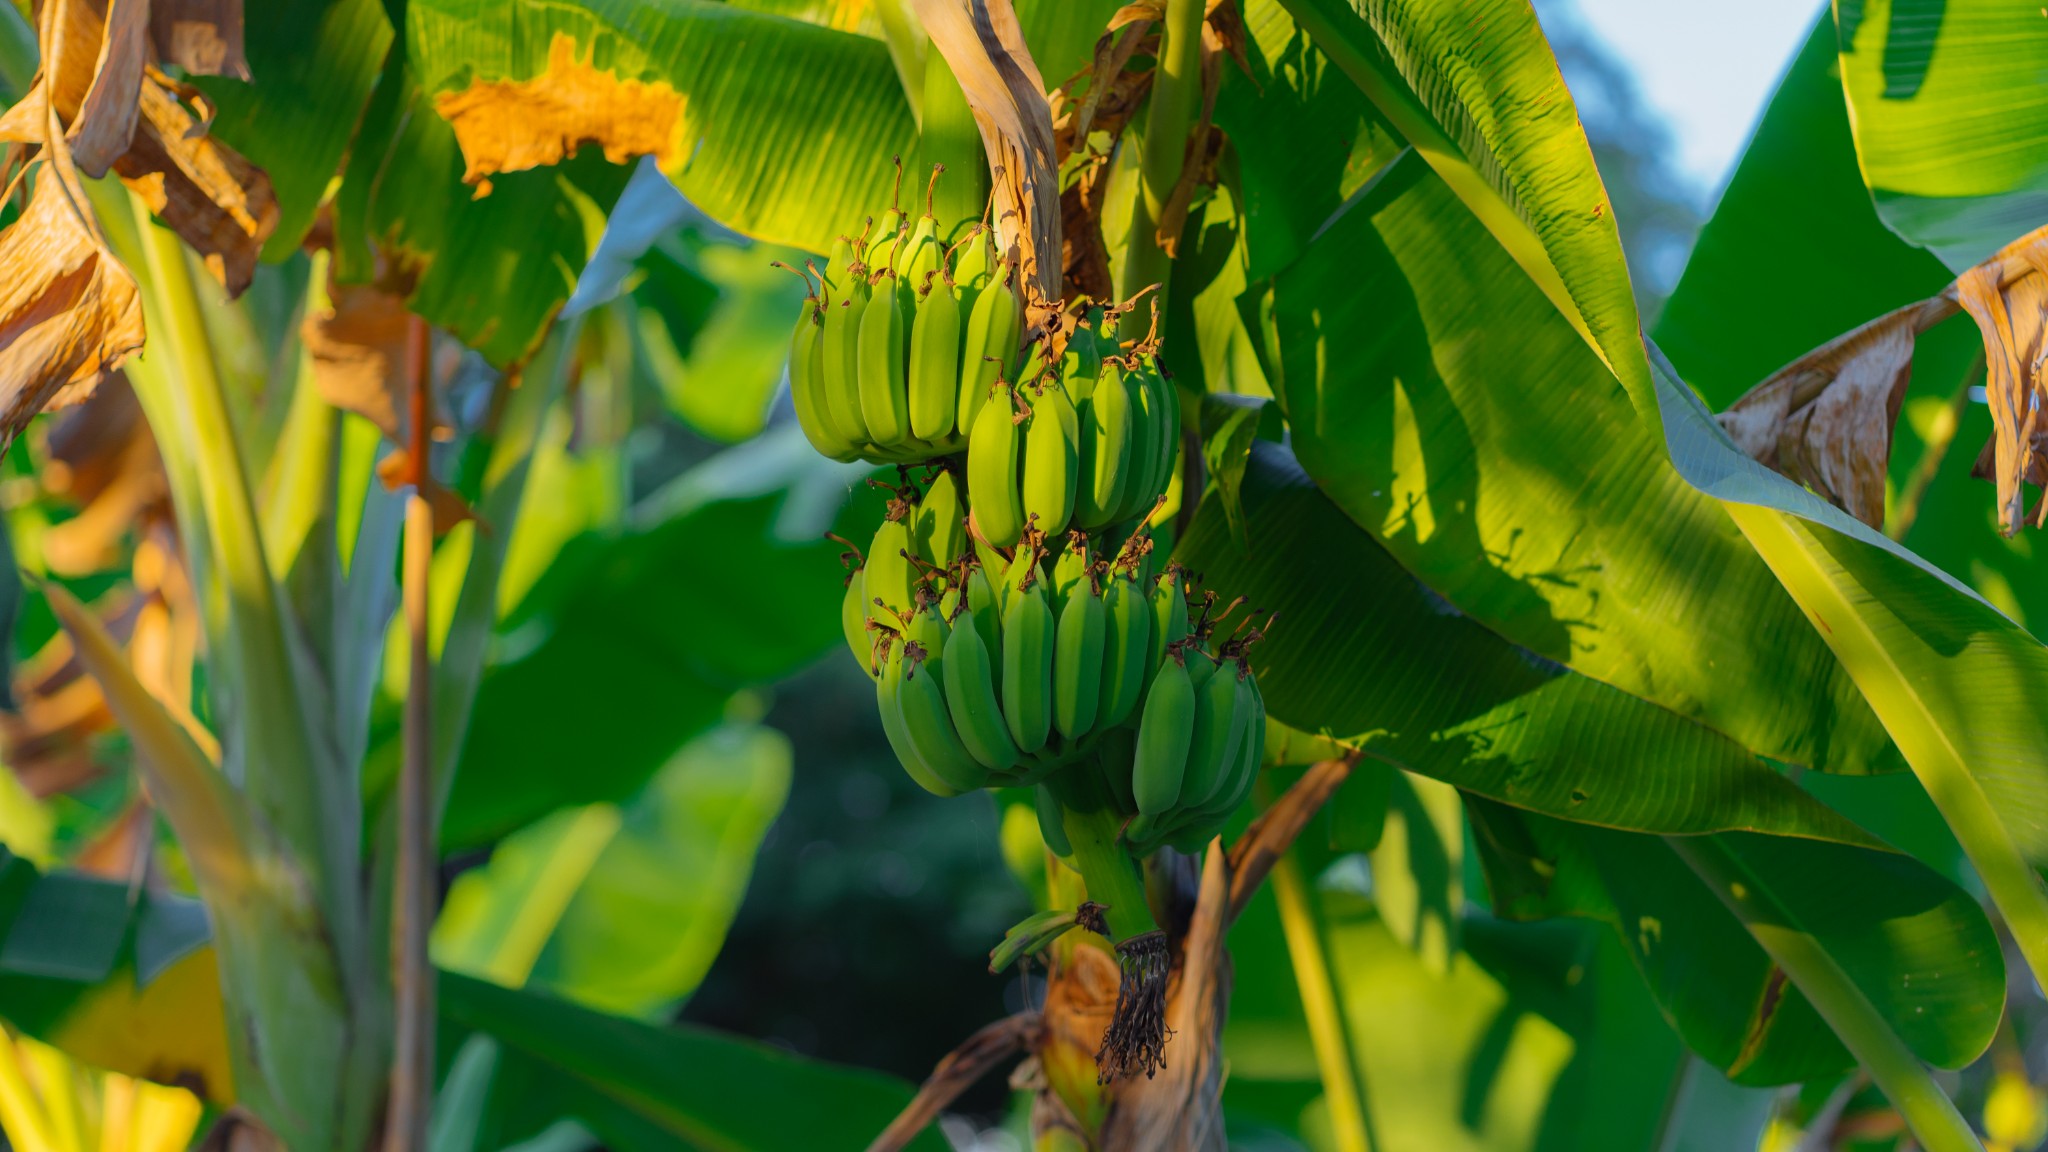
x,y
1089,443
1189,755
901,338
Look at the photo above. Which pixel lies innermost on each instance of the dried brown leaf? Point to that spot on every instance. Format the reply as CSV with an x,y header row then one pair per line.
x,y
204,37
1826,419
100,458
983,44
93,54
2007,295
69,313
221,204
511,125
358,348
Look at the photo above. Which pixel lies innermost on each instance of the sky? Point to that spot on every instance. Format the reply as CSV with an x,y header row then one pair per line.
x,y
1707,68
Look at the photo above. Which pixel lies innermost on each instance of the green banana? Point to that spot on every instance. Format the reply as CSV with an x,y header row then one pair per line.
x,y
934,382
1024,567
888,701
1217,737
1070,571
995,326
1125,651
1142,444
890,577
835,276
1051,827
853,621
1164,734
1105,451
939,526
1051,460
807,386
985,608
920,255
884,390
889,229
1028,640
839,381
970,679
929,724
992,459
1250,753
1169,618
974,267
1077,662
1081,363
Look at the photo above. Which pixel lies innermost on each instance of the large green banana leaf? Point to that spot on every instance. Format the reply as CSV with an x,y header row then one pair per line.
x,y
1363,652
780,129
640,1086
1915,947
1513,477
635,637
621,907
312,64
1950,119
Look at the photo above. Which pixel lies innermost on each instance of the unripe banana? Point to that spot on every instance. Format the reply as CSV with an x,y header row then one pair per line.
x,y
807,386
890,577
889,234
1201,666
971,698
985,608
919,255
934,381
1218,736
1125,651
929,724
995,326
1169,618
1114,757
1164,733
1051,827
1142,447
1250,753
992,470
1081,363
974,267
1028,639
939,527
1077,662
1070,571
840,378
884,391
853,621
1051,460
888,701
1105,451
836,276
1024,567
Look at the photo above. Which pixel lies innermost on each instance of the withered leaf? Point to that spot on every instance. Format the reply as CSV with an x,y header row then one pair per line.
x,y
1826,419
512,125
221,204
101,458
93,53
984,46
204,37
69,313
2007,295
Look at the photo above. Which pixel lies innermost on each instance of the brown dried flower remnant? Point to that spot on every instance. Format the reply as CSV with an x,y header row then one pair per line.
x,y
2008,297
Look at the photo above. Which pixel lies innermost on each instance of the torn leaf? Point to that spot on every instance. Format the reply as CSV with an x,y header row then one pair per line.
x,y
513,125
69,313
93,53
204,37
221,204
1826,419
2008,297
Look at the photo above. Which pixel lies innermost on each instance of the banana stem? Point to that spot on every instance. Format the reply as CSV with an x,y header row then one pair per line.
x,y
1093,828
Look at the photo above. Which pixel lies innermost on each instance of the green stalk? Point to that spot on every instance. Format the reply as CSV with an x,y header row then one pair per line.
x,y
1176,87
1327,1033
1899,1074
908,50
1094,828
281,772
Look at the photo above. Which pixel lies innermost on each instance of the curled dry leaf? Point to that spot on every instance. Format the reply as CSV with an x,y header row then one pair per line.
x,y
512,125
69,313
983,44
208,193
101,459
204,37
1826,419
93,53
2008,297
